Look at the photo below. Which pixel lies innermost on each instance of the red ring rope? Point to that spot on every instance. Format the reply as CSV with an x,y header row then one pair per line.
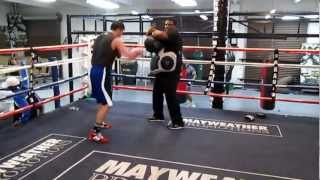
x,y
6,115
223,95
116,87
69,46
20,110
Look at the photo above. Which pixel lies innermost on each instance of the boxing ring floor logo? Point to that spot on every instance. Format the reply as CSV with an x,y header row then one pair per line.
x,y
99,165
233,127
27,160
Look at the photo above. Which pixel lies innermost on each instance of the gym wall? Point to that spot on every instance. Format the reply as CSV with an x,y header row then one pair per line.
x,y
295,43
44,33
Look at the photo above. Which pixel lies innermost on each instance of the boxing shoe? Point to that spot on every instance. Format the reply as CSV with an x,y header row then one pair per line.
x,y
97,137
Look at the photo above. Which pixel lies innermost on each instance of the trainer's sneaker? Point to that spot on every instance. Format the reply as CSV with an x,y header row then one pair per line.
x,y
154,119
175,127
97,137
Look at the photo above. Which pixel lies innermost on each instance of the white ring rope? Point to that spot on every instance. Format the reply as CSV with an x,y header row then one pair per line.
x,y
10,69
267,65
60,62
193,61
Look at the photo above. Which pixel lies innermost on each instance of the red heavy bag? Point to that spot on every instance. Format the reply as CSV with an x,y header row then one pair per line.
x,y
182,86
266,91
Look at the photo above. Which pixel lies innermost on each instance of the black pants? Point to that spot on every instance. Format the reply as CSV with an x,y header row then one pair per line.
x,y
168,87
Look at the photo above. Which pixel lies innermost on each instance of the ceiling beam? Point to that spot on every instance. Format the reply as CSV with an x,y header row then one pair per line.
x,y
301,13
30,3
77,2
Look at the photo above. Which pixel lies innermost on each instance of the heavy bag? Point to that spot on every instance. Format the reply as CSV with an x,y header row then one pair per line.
x,y
182,86
181,98
33,98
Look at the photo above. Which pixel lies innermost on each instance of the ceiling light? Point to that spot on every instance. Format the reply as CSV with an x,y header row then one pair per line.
x,y
103,4
273,11
290,18
196,11
186,3
297,1
311,16
204,17
147,17
268,16
134,12
47,1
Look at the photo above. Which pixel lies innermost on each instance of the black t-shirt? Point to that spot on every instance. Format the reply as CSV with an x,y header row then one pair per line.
x,y
173,43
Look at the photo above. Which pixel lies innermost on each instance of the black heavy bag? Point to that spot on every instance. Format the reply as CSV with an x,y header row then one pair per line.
x,y
266,91
33,98
181,98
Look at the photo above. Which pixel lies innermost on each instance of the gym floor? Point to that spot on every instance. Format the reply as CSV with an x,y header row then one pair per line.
x,y
215,145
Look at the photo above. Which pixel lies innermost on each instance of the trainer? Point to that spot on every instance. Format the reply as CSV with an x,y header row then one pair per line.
x,y
106,48
166,82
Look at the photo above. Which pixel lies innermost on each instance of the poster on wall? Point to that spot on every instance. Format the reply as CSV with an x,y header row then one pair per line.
x,y
310,76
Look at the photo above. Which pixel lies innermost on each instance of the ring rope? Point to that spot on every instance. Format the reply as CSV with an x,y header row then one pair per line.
x,y
209,48
20,110
268,65
44,86
10,69
193,61
136,88
61,62
13,69
213,62
4,116
220,82
43,48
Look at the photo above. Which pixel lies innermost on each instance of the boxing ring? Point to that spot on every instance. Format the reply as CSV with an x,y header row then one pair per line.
x,y
216,144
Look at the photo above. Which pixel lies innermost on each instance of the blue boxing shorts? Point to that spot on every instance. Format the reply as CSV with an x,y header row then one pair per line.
x,y
101,82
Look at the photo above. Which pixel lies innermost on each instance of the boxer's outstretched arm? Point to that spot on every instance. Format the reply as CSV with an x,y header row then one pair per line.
x,y
124,51
161,35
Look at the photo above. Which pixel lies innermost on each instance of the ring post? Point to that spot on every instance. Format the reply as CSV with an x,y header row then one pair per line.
x,y
70,68
55,78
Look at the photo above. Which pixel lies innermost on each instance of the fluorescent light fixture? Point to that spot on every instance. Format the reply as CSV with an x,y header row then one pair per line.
x,y
268,16
204,17
47,1
273,11
134,12
186,3
105,4
311,16
290,18
147,17
297,1
196,11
